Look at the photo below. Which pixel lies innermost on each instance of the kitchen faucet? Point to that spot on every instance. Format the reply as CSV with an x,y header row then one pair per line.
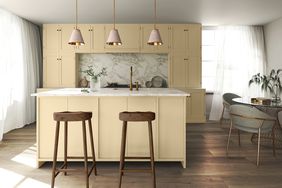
x,y
130,84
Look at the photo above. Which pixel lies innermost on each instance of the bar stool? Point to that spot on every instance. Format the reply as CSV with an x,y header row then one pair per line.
x,y
66,117
136,116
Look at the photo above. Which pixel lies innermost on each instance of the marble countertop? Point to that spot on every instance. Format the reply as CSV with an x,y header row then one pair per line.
x,y
113,92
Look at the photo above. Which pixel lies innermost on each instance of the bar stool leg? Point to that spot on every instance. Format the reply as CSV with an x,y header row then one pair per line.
x,y
122,152
65,146
55,153
92,146
152,152
85,153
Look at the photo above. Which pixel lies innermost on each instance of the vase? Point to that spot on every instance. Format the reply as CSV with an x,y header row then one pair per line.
x,y
95,83
276,94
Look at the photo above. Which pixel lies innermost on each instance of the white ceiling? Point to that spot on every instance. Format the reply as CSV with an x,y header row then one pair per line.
x,y
207,12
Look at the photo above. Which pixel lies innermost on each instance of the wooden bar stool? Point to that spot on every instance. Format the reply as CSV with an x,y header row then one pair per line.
x,y
136,116
66,117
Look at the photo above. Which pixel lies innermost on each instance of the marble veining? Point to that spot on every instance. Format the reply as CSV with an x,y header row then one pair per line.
x,y
145,67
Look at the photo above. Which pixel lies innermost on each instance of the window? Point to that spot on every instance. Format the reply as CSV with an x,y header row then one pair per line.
x,y
208,58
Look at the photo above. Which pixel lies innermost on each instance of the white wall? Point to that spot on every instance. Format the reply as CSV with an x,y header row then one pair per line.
x,y
273,41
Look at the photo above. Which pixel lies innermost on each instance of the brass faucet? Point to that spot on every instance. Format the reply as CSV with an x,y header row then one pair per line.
x,y
130,84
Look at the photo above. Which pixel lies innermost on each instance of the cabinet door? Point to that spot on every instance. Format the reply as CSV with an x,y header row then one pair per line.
x,y
51,33
196,107
110,127
51,71
68,70
180,35
98,38
130,37
137,132
46,126
65,33
75,141
172,128
178,70
195,40
194,72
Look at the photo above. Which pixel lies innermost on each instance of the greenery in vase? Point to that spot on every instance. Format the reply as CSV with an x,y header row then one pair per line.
x,y
269,82
94,75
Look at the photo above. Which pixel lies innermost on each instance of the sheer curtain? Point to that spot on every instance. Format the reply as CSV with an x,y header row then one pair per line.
x,y
19,71
240,54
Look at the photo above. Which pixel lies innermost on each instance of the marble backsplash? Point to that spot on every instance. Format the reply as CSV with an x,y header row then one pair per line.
x,y
145,67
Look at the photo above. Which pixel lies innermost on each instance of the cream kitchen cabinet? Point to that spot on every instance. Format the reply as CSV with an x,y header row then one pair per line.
x,y
56,37
138,136
168,127
93,36
196,106
178,70
59,71
180,39
130,37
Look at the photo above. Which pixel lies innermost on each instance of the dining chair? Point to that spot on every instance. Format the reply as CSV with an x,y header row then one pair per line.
x,y
252,120
227,102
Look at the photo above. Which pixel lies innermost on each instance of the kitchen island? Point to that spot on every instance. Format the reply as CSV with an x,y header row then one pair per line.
x,y
169,129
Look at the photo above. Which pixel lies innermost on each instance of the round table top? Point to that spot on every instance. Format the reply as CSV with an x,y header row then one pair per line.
x,y
259,101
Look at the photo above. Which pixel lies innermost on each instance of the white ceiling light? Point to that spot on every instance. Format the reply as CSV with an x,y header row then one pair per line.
x,y
114,38
76,36
155,37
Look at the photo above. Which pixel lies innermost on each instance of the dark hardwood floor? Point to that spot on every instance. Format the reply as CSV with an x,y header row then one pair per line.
x,y
207,164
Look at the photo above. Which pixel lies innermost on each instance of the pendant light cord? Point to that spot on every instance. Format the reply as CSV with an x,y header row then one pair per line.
x,y
76,10
114,14
155,5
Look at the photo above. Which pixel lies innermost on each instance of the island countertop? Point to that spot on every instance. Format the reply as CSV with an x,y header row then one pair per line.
x,y
113,92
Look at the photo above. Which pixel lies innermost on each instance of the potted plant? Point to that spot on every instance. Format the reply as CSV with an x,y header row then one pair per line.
x,y
94,77
269,83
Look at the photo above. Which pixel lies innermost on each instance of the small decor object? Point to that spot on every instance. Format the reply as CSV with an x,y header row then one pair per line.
x,y
84,82
269,83
95,77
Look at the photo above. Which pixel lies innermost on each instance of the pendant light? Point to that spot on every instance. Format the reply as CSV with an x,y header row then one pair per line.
x,y
155,37
114,38
76,36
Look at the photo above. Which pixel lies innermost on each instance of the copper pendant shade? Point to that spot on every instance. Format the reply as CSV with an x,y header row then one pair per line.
x,y
155,36
114,38
76,36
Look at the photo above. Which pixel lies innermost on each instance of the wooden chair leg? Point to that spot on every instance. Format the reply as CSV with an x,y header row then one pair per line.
x,y
55,153
239,138
258,157
221,118
65,146
122,152
85,153
92,146
273,141
228,140
152,152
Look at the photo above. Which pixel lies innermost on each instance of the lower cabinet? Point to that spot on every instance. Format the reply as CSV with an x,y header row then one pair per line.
x,y
196,106
168,127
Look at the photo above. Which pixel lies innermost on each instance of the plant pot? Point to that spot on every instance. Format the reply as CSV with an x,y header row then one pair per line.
x,y
95,84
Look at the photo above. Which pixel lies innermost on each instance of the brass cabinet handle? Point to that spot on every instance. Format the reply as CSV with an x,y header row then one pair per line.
x,y
186,59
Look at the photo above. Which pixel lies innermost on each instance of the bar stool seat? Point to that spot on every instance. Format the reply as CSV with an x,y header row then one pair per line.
x,y
136,117
67,117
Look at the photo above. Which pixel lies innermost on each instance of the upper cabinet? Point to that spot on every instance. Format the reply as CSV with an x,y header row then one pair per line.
x,y
130,37
180,38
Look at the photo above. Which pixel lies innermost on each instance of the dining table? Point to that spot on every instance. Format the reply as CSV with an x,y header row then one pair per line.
x,y
270,107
